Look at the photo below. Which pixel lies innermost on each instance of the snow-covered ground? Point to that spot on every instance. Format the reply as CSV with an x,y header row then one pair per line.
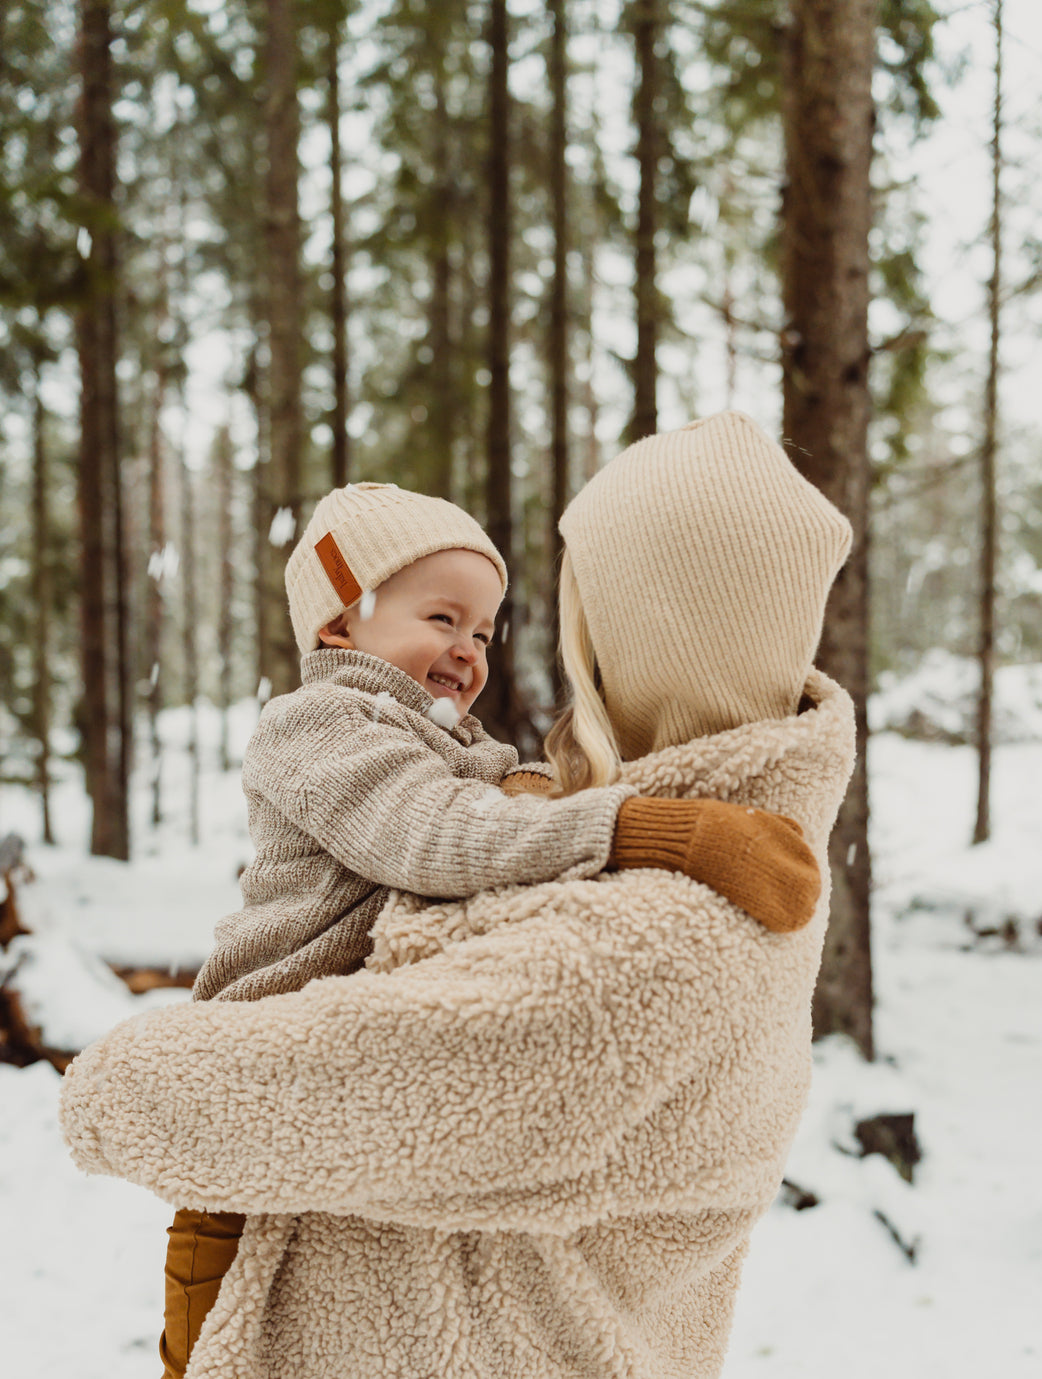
x,y
829,1291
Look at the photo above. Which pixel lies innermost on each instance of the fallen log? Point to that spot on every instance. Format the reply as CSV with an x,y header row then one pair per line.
x,y
139,979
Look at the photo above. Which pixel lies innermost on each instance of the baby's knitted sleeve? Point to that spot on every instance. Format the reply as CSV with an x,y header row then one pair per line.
x,y
376,797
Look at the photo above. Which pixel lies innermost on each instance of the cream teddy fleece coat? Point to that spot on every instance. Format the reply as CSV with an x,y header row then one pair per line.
x,y
529,1142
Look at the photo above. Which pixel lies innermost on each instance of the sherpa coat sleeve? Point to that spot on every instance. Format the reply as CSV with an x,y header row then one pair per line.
x,y
604,1046
376,797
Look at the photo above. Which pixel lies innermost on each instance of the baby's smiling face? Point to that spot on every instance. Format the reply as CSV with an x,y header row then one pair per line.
x,y
434,619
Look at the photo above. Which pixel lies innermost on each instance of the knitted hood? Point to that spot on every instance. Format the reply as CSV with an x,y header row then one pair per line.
x,y
703,560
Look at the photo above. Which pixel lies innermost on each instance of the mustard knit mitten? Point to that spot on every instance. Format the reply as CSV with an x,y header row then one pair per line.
x,y
756,860
526,783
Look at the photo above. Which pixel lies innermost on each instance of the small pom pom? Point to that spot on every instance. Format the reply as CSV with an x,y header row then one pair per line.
x,y
443,712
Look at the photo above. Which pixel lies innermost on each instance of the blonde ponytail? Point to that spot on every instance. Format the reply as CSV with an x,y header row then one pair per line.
x,y
581,746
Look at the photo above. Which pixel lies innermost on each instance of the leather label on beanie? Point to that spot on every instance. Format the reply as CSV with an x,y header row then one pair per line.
x,y
336,567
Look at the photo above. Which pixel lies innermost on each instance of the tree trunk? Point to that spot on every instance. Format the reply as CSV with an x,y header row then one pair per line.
x,y
43,601
226,554
253,386
189,641
500,707
282,490
341,449
828,123
557,344
442,420
647,26
591,454
154,601
106,727
989,513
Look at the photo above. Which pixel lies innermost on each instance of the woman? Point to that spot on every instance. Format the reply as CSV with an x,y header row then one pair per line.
x,y
532,1139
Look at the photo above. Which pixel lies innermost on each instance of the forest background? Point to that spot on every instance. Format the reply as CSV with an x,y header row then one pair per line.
x,y
253,250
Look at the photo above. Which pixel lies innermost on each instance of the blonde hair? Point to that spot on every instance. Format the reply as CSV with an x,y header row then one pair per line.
x,y
581,746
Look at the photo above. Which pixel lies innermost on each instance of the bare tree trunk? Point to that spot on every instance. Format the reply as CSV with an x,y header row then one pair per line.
x,y
225,475
473,494
254,387
727,307
989,514
154,602
285,330
591,457
341,452
828,124
189,640
647,26
500,708
557,345
106,728
43,601
442,421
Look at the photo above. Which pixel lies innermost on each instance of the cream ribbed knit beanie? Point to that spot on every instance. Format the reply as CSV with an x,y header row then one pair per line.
x,y
703,561
359,536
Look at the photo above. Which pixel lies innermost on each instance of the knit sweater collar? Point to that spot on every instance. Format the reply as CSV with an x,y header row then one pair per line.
x,y
358,670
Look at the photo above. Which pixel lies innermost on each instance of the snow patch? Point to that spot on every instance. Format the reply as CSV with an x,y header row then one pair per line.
x,y
70,995
938,701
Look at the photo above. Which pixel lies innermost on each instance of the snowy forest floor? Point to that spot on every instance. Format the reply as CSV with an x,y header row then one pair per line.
x,y
938,1278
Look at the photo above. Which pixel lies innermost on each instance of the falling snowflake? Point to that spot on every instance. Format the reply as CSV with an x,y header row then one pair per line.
x,y
381,703
487,799
164,564
283,527
367,605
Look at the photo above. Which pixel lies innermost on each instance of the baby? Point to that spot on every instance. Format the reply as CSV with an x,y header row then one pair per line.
x,y
373,774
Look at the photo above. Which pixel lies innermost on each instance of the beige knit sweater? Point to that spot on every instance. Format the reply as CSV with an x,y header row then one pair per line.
x,y
528,1142
351,789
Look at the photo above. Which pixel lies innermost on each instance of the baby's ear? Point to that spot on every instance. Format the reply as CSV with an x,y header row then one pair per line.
x,y
335,633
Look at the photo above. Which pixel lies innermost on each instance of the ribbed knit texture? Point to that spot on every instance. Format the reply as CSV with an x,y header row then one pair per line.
x,y
758,860
378,530
704,561
351,789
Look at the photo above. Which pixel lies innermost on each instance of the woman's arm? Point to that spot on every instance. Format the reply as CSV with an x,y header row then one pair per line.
x,y
510,1080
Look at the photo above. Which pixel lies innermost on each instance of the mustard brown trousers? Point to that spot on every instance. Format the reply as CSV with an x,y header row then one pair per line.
x,y
202,1245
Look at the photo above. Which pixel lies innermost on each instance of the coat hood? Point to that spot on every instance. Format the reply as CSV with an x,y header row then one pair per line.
x,y
703,560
